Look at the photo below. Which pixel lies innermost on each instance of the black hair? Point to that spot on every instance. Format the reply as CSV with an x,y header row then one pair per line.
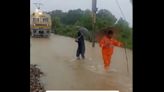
x,y
110,32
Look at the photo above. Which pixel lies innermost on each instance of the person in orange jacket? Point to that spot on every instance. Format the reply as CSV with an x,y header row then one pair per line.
x,y
107,44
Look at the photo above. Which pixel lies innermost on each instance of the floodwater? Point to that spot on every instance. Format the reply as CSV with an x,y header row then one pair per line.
x,y
56,58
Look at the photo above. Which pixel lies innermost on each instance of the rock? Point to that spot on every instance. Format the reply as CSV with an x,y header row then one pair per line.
x,y
35,84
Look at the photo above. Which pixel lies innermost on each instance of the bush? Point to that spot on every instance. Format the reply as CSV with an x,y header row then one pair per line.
x,y
64,23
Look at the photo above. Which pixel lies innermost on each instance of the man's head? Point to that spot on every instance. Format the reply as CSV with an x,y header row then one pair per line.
x,y
109,33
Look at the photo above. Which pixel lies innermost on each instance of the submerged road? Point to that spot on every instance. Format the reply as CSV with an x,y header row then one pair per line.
x,y
56,58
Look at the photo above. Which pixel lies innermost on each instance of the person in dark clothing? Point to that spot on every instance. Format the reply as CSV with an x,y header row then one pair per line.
x,y
81,45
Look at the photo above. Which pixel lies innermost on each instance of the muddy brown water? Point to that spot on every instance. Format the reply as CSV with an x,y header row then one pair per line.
x,y
56,58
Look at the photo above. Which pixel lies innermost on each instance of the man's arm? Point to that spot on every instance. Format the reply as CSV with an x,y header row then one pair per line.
x,y
78,36
117,43
102,43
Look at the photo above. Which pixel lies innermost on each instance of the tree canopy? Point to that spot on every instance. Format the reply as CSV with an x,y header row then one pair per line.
x,y
64,23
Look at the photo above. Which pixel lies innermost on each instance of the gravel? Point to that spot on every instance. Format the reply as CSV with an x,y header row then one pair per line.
x,y
35,83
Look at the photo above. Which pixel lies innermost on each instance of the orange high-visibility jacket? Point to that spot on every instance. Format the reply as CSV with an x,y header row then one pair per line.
x,y
107,46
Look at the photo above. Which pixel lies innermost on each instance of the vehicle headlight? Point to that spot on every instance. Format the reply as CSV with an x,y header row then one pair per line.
x,y
40,13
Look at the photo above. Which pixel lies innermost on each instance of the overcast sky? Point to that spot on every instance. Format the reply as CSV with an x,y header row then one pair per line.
x,y
66,5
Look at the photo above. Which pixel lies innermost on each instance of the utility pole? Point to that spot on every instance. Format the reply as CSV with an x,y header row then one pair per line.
x,y
38,5
94,9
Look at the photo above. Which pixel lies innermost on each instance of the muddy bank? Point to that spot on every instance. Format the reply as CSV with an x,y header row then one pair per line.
x,y
35,82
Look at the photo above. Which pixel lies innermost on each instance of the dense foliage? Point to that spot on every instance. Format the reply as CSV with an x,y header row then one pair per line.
x,y
64,23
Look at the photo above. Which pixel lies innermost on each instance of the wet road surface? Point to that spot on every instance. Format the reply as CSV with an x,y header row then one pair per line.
x,y
56,58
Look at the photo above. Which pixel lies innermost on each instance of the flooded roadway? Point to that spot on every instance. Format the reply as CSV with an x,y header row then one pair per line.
x,y
56,58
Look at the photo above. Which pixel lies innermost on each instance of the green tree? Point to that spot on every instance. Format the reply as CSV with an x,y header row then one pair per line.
x,y
124,32
72,16
104,19
86,19
65,23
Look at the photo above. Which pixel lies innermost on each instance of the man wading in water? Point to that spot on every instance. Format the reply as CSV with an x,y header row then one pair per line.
x,y
81,45
107,44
